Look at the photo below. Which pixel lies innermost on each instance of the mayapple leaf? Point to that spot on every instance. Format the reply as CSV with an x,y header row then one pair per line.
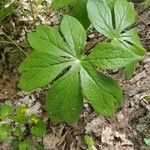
x,y
120,15
79,11
115,22
105,21
74,34
129,70
100,16
64,100
60,3
39,69
111,56
128,41
47,39
102,92
131,40
111,3
124,14
77,72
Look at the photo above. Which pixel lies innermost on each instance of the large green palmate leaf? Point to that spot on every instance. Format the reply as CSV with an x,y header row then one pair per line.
x,y
103,93
129,70
111,3
111,19
77,73
124,15
78,9
107,23
111,56
64,99
131,40
48,39
74,34
39,69
100,16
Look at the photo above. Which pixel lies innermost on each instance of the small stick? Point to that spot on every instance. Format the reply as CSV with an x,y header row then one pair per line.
x,y
12,42
32,12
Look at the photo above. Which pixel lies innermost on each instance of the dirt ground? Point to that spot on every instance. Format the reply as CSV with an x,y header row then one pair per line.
x,y
119,133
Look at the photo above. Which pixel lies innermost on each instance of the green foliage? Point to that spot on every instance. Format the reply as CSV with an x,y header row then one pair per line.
x,y
4,132
39,129
90,142
25,145
15,143
147,97
6,11
75,72
78,9
147,141
20,118
18,131
111,53
60,3
5,111
39,147
39,1
112,19
140,127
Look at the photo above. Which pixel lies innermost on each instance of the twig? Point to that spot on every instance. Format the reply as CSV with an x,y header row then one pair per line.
x,y
146,37
7,42
12,42
143,21
32,12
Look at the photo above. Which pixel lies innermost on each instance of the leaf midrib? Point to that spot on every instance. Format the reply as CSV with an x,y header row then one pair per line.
x,y
98,84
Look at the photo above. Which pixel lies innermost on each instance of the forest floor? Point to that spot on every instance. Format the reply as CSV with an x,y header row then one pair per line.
x,y
126,131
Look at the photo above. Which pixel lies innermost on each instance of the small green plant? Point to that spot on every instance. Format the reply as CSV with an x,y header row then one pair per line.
x,y
143,129
90,142
19,119
147,141
6,8
74,74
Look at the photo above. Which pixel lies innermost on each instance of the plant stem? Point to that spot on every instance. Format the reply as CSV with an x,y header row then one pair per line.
x,y
12,42
7,42
32,12
143,21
